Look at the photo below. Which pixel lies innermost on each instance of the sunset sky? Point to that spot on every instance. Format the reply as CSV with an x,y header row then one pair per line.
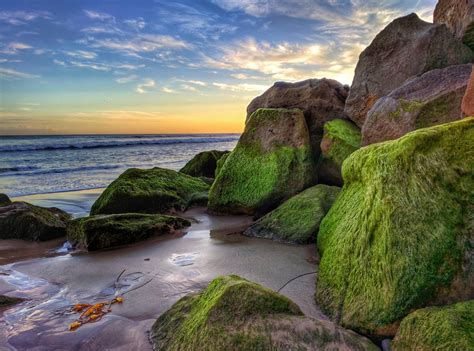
x,y
117,66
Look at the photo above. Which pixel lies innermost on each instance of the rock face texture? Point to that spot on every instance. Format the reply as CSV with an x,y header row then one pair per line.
x,y
399,197
468,100
235,314
21,220
4,200
155,190
437,328
406,48
458,16
433,98
271,162
297,219
203,164
341,138
105,231
321,100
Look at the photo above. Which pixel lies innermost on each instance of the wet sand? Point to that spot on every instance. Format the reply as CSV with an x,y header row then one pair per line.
x,y
178,265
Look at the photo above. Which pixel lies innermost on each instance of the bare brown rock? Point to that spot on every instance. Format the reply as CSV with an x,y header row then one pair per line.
x,y
458,16
431,99
321,100
468,100
406,48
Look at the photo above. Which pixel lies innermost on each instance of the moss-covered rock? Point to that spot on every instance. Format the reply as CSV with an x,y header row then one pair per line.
x,y
8,301
4,200
341,138
155,190
21,220
271,162
203,164
399,235
220,163
105,231
297,219
437,328
235,314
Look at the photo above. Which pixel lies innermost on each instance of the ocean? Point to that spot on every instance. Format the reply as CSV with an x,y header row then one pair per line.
x,y
46,164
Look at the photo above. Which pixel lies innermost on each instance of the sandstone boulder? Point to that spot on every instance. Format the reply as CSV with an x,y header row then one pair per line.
x,y
399,236
458,16
406,48
321,100
433,98
203,164
271,162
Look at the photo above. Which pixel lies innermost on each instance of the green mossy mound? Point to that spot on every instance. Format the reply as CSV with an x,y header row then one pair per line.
x,y
155,190
297,220
105,231
437,328
4,200
235,314
220,163
398,236
271,162
21,220
8,301
340,139
203,164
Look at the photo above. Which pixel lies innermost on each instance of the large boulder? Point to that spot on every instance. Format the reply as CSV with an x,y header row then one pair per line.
x,y
297,219
321,100
4,200
468,100
235,314
406,48
271,162
105,231
203,164
437,328
341,138
399,236
155,190
431,99
21,220
458,16
6,301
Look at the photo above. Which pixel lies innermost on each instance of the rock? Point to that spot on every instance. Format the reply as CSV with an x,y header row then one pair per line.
x,y
341,138
398,235
155,190
271,162
220,163
321,100
21,220
235,314
8,301
203,164
296,220
431,99
105,231
437,328
458,16
406,48
4,200
468,100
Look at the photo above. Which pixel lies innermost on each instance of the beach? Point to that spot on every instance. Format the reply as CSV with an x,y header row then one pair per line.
x,y
51,279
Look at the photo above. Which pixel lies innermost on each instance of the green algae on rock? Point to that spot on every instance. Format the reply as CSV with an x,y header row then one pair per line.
x,y
4,200
21,220
203,164
297,219
105,231
220,163
271,162
341,138
155,190
233,313
437,328
397,237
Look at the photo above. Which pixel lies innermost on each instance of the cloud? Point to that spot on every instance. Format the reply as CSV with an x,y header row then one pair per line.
x,y
81,54
14,47
102,29
17,18
168,90
241,87
197,82
189,88
118,114
11,74
144,87
101,16
137,23
127,79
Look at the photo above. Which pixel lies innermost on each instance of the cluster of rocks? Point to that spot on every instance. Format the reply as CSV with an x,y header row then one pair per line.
x,y
395,241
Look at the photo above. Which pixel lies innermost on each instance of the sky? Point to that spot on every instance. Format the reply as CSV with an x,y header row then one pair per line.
x,y
188,66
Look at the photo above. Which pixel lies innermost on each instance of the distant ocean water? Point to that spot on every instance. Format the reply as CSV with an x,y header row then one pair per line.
x,y
43,164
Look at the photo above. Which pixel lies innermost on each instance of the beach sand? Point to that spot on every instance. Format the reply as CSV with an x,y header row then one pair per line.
x,y
177,266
